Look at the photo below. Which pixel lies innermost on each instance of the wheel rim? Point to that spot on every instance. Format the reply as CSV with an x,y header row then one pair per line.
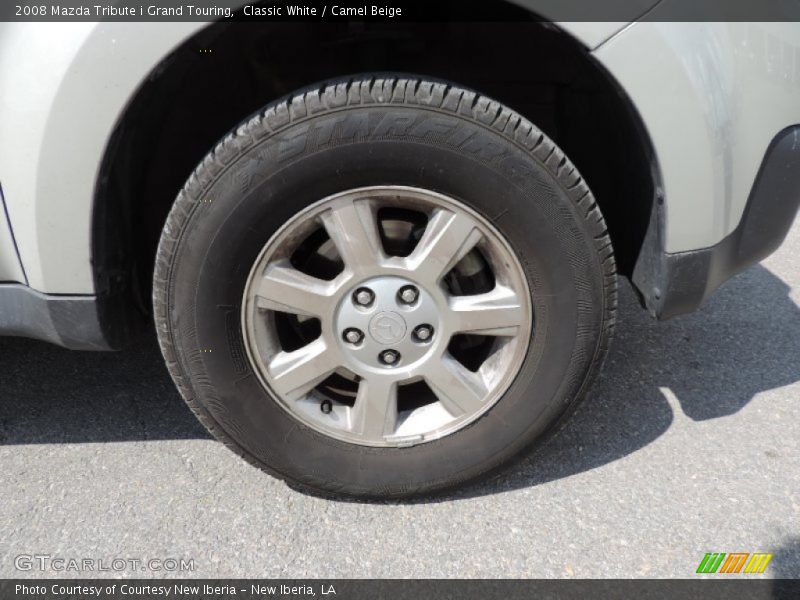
x,y
380,346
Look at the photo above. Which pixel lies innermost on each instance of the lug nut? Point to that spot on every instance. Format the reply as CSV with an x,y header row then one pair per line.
x,y
389,357
363,296
352,335
423,333
408,294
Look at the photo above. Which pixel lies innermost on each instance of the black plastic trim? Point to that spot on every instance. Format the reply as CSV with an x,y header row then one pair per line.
x,y
70,321
674,284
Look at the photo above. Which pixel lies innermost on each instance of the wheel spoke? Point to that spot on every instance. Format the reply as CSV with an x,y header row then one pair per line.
x,y
295,373
460,390
498,312
447,238
375,411
284,288
353,228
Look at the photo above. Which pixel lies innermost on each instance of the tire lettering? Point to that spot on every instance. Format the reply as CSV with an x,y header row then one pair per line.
x,y
356,125
324,129
433,126
397,123
292,145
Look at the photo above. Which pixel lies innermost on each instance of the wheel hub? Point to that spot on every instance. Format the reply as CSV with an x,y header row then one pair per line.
x,y
387,328
388,322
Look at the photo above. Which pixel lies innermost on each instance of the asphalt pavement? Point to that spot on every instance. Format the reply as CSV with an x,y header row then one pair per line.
x,y
689,443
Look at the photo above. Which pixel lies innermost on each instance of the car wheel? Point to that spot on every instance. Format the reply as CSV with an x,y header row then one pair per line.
x,y
384,287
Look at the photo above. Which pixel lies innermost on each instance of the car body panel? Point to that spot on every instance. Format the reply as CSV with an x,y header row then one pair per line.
x,y
590,33
712,97
71,83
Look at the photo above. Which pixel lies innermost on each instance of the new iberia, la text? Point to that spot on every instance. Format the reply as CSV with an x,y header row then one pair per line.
x,y
177,589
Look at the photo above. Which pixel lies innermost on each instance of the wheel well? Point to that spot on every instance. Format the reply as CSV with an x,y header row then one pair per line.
x,y
228,71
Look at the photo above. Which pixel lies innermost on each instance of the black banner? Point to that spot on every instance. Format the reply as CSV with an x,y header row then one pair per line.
x,y
708,588
399,10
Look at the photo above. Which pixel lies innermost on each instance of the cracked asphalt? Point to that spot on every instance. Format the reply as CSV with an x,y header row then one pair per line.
x,y
689,443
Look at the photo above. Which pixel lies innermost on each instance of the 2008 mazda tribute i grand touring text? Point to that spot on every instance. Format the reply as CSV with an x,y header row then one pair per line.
x,y
382,258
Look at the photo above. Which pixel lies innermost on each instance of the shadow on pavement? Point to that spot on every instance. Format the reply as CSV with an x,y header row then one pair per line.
x,y
785,565
52,395
745,340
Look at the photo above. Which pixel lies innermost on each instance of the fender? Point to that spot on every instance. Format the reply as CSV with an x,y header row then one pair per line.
x,y
55,133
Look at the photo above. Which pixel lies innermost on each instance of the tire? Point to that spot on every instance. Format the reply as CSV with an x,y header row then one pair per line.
x,y
382,131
